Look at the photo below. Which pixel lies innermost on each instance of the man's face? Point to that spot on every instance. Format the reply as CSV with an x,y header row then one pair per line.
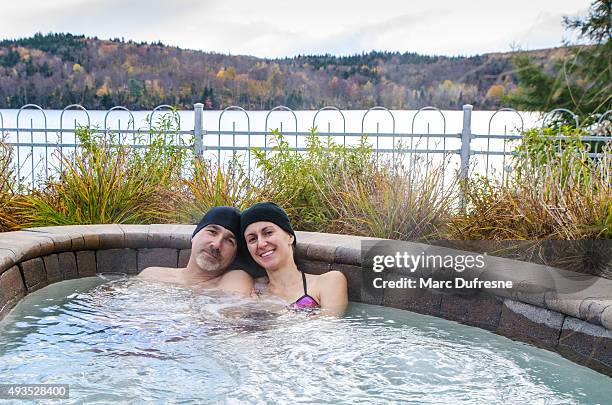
x,y
214,248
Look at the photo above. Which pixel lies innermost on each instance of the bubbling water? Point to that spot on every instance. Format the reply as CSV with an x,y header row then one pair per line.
x,y
121,339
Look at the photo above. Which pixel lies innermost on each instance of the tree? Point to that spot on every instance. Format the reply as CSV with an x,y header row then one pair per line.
x,y
10,58
583,79
496,91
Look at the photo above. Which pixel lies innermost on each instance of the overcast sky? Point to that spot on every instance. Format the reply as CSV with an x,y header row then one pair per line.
x,y
272,28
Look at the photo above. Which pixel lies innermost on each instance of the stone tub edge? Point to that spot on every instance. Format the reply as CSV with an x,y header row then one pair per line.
x,y
575,319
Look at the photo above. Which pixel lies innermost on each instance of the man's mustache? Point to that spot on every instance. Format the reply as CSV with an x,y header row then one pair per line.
x,y
215,252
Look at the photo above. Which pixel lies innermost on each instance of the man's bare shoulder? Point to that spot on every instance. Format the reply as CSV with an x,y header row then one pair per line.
x,y
160,273
236,276
236,280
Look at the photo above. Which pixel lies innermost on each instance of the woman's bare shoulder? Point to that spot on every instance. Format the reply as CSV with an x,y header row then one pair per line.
x,y
333,277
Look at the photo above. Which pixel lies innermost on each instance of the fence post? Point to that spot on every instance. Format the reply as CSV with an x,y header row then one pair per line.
x,y
198,128
466,137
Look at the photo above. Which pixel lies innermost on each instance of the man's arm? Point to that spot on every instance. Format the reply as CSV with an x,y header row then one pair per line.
x,y
238,281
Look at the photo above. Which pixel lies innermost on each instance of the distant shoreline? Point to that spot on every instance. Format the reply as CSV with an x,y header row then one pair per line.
x,y
55,70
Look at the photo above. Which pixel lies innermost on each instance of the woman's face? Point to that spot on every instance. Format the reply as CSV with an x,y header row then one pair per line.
x,y
269,245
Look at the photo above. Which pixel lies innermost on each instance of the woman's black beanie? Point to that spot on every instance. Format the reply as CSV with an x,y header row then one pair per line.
x,y
227,217
269,212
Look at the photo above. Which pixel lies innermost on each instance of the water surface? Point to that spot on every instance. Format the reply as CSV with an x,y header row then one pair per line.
x,y
133,341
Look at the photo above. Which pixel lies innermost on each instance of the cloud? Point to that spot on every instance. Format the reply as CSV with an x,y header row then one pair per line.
x,y
545,29
104,18
271,28
243,38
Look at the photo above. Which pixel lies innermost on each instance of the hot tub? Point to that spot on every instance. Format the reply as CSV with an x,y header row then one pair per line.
x,y
74,315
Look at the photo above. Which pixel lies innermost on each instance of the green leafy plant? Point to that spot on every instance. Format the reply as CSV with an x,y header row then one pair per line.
x,y
106,182
548,147
298,180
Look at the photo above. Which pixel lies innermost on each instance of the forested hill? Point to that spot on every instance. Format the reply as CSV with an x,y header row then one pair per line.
x,y
55,70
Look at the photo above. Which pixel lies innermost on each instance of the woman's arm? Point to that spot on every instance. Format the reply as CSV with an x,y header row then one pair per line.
x,y
333,293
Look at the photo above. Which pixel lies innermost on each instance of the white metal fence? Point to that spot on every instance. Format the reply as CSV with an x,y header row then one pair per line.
x,y
486,151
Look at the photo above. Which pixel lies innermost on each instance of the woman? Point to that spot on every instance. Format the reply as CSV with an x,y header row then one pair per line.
x,y
270,240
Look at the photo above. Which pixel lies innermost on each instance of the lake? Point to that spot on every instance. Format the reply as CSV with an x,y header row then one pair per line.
x,y
37,159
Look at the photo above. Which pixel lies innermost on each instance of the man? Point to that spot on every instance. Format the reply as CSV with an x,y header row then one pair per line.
x,y
214,246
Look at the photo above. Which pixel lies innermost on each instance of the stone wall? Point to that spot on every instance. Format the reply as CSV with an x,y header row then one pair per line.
x,y
574,318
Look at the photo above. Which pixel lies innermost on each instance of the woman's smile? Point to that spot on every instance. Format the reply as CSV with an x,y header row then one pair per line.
x,y
267,253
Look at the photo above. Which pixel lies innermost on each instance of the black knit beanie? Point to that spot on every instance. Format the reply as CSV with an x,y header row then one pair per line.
x,y
227,217
269,212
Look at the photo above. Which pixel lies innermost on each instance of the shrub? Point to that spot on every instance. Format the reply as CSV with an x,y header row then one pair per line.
x,y
210,185
300,181
391,201
8,220
106,182
346,189
557,192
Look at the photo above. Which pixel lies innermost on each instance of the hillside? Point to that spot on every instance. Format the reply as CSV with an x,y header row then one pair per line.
x,y
55,70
